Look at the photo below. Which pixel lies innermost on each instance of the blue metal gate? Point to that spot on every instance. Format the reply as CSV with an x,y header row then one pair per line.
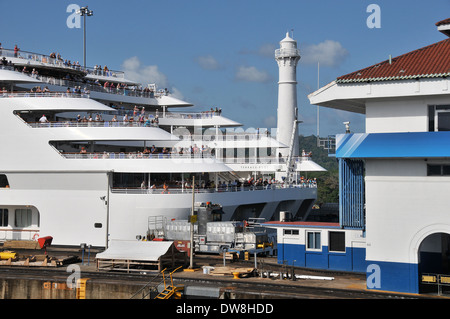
x,y
351,193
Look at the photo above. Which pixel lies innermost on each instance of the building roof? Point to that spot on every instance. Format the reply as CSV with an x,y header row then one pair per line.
x,y
394,145
445,21
136,250
301,224
426,62
444,26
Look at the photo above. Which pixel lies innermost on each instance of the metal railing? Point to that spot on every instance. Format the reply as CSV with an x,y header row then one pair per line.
x,y
91,124
438,280
199,190
59,62
126,91
228,136
169,155
263,160
193,115
134,155
280,53
133,91
6,94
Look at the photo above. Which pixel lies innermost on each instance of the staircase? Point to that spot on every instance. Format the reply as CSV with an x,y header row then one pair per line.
x,y
167,293
290,164
170,290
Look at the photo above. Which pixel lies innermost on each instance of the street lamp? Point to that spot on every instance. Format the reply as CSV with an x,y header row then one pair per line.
x,y
84,11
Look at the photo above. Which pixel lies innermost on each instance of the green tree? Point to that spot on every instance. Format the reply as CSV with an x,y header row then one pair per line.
x,y
327,182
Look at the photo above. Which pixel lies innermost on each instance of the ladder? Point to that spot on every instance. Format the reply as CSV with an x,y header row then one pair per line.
x,y
81,288
169,290
290,164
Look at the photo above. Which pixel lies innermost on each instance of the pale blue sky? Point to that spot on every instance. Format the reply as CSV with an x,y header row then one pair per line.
x,y
221,53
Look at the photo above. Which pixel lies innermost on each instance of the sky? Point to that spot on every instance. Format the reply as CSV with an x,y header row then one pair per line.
x,y
221,53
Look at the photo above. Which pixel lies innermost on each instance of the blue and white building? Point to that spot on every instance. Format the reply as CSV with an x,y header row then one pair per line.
x,y
320,245
394,183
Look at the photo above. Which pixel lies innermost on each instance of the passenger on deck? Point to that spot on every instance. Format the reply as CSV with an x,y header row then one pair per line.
x,y
16,51
43,119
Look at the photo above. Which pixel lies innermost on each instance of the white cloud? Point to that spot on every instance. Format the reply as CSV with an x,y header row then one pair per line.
x,y
328,53
251,74
208,62
174,92
145,74
265,50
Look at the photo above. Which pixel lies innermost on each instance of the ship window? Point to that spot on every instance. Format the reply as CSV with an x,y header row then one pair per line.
x,y
438,170
336,241
313,240
3,217
22,218
3,181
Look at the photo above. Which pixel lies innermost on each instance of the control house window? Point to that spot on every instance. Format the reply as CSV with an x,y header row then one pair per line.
x,y
438,118
291,232
313,240
438,170
336,241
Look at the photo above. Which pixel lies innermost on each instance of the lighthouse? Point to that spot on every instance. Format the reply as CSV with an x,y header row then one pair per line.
x,y
287,57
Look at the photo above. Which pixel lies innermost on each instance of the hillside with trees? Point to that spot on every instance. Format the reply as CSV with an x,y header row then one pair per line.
x,y
327,182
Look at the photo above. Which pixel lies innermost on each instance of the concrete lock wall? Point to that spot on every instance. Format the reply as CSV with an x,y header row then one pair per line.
x,y
44,289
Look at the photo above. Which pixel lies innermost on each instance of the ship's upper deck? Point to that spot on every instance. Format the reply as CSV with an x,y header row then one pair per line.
x,y
106,85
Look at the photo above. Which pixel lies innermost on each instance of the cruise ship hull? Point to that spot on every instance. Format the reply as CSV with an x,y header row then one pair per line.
x,y
81,208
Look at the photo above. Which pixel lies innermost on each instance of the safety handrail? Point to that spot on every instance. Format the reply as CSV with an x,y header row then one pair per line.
x,y
146,285
171,278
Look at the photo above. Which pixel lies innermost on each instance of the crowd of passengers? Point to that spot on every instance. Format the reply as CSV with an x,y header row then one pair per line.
x,y
97,85
224,185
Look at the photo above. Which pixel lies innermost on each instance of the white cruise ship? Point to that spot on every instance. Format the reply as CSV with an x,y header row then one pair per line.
x,y
89,156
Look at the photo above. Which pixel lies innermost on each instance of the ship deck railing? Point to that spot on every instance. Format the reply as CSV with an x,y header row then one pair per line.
x,y
199,155
90,124
58,62
133,155
128,91
219,189
132,91
169,115
264,160
6,94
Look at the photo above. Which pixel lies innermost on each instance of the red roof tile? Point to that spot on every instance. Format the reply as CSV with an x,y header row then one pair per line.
x,y
446,21
429,61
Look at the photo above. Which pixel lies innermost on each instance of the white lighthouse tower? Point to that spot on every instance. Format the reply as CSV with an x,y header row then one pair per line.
x,y
287,57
